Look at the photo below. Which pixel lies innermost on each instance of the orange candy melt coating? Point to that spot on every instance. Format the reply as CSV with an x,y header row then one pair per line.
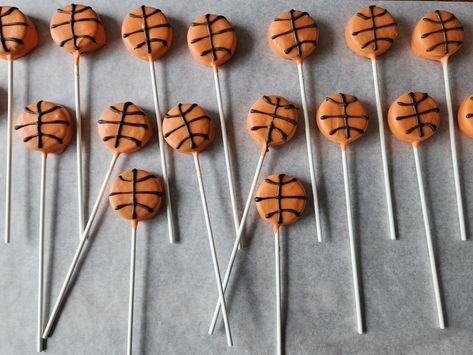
x,y
146,33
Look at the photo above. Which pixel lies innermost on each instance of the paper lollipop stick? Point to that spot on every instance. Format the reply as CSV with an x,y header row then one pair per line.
x,y
370,33
45,127
17,38
272,121
188,129
280,200
438,36
147,34
293,35
78,29
212,42
135,195
343,119
124,128
413,118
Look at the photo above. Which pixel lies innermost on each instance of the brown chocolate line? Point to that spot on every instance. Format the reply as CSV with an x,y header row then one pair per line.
x,y
72,21
345,116
446,41
146,28
39,123
374,28
294,30
186,124
4,40
274,115
212,49
279,196
122,122
417,115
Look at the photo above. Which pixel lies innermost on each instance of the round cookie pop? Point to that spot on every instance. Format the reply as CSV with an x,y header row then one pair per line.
x,y
124,128
45,127
437,36
147,35
370,33
342,119
272,121
294,35
188,129
135,195
212,41
18,37
413,117
465,116
280,200
77,29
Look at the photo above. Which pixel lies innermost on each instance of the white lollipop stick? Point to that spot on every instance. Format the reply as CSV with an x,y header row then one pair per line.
x,y
430,248
237,240
453,147
9,152
384,158
61,298
162,153
80,178
40,255
309,153
212,249
132,289
354,262
226,149
278,293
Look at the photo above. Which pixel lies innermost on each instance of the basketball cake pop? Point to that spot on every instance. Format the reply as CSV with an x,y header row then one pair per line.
x,y
135,195
465,116
78,29
280,200
294,35
212,42
124,128
18,37
272,121
438,36
343,119
47,128
188,128
414,117
371,33
147,34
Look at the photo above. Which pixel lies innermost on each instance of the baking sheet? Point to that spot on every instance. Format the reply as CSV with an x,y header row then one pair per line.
x,y
175,286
